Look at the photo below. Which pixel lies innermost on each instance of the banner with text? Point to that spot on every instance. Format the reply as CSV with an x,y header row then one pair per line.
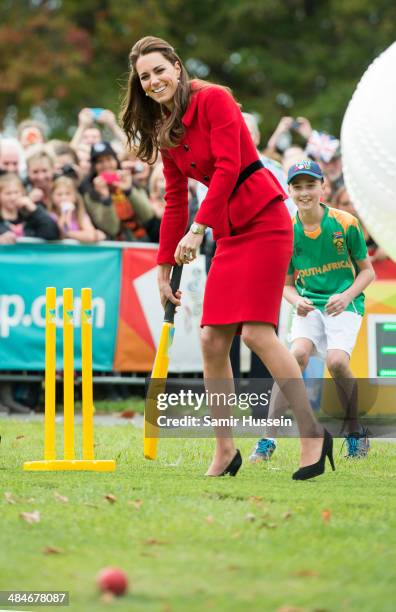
x,y
141,315
26,271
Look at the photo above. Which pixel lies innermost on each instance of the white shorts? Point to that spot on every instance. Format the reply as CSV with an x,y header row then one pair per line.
x,y
327,332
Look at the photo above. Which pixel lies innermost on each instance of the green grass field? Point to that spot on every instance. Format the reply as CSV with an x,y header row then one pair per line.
x,y
255,542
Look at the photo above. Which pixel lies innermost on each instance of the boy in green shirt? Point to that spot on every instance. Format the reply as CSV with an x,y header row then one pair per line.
x,y
333,269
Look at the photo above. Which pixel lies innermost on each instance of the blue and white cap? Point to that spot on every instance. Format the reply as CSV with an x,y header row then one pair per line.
x,y
307,166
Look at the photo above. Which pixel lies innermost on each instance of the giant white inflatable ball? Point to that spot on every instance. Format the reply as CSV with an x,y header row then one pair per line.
x,y
368,144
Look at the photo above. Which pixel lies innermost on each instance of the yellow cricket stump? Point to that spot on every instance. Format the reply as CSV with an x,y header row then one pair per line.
x,y
86,366
50,373
69,462
68,374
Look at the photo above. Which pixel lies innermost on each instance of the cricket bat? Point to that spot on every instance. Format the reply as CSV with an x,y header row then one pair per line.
x,y
160,372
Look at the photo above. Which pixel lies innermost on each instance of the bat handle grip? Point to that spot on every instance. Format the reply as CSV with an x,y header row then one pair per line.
x,y
175,284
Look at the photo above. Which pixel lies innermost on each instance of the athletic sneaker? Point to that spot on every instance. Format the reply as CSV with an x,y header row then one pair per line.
x,y
358,445
264,450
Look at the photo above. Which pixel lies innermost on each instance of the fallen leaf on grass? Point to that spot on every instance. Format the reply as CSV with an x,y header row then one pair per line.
x,y
9,498
286,515
225,496
306,574
326,515
209,519
268,525
250,517
20,437
51,550
127,414
111,498
137,503
256,500
61,498
155,542
30,517
233,568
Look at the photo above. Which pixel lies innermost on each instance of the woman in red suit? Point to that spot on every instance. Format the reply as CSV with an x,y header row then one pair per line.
x,y
199,129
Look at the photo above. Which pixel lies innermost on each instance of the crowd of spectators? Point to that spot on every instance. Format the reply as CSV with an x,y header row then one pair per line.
x,y
93,189
89,189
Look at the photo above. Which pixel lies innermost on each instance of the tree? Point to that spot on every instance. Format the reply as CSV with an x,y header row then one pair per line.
x,y
298,57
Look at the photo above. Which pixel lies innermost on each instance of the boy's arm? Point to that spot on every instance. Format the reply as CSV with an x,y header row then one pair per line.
x,y
290,292
338,302
303,305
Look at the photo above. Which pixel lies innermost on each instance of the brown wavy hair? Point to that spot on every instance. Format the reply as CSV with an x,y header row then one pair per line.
x,y
147,126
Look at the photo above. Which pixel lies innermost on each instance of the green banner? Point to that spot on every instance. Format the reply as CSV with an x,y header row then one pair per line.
x,y
26,271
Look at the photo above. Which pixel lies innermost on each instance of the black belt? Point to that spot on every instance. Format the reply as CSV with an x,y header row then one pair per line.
x,y
253,167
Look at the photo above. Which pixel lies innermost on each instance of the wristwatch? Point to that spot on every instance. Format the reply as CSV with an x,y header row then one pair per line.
x,y
196,228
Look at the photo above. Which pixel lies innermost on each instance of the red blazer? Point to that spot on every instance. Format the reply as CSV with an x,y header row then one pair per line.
x,y
215,148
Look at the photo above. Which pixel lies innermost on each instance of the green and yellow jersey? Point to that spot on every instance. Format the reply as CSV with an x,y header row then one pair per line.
x,y
325,259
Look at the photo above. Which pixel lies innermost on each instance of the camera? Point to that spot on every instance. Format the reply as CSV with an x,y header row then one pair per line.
x,y
137,167
96,112
295,125
67,170
110,178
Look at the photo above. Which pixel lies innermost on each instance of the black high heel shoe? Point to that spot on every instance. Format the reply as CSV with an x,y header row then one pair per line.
x,y
316,469
233,467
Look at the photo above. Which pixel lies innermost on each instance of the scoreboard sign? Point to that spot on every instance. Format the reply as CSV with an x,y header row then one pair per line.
x,y
382,347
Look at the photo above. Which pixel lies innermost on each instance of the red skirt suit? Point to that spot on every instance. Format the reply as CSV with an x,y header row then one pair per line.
x,y
252,226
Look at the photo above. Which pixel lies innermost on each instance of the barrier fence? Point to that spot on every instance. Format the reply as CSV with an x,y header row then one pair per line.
x,y
127,314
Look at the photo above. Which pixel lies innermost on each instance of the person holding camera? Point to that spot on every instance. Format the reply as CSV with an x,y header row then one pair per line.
x,y
88,131
66,161
282,137
141,171
115,205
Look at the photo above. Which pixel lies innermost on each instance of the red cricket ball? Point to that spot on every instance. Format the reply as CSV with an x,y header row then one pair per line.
x,y
113,580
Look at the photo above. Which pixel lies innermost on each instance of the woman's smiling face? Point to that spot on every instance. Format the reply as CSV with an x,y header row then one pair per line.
x,y
159,77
